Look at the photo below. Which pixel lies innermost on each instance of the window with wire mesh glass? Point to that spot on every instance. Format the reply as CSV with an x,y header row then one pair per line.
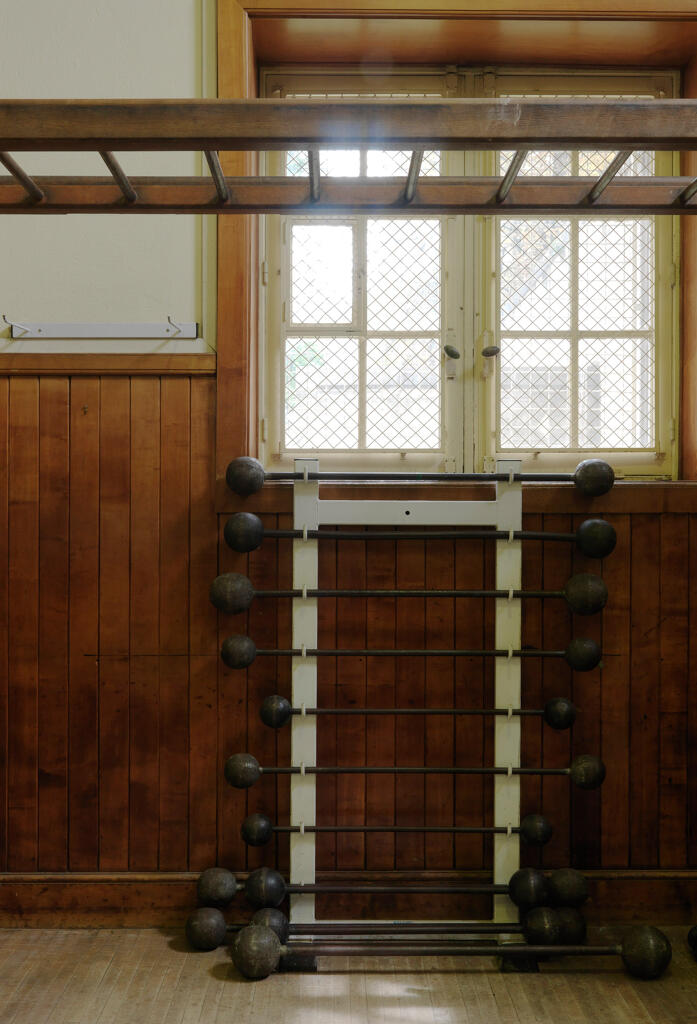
x,y
362,321
576,321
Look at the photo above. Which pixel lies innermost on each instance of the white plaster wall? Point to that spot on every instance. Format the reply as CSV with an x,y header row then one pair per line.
x,y
102,268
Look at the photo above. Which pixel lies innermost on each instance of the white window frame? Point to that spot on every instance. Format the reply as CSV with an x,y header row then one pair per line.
x,y
469,283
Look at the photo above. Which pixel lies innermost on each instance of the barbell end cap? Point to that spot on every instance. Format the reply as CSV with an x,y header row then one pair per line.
x,y
242,770
245,475
594,477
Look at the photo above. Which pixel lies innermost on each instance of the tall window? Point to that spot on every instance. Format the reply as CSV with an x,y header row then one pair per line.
x,y
581,309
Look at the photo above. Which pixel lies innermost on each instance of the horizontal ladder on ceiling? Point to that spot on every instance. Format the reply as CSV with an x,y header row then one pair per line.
x,y
215,126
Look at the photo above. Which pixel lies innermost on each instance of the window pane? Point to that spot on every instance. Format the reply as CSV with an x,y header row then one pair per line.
x,y
403,275
640,163
535,269
383,163
322,274
539,163
616,387
403,393
616,260
334,163
535,393
321,393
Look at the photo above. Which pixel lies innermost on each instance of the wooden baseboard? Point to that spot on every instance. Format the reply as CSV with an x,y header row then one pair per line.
x,y
163,899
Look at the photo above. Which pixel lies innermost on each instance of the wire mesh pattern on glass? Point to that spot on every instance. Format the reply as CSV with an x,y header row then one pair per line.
x,y
322,274
535,275
379,387
616,259
403,391
389,163
535,405
321,393
577,277
616,392
403,275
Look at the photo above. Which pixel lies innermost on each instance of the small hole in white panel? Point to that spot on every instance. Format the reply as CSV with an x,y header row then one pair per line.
x,y
407,513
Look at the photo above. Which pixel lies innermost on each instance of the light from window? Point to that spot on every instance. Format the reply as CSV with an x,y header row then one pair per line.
x,y
577,321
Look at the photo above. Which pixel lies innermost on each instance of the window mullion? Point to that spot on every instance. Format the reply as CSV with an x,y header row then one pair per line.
x,y
574,383
361,315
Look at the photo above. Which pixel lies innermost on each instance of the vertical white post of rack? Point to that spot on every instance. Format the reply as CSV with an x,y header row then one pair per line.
x,y
304,691
507,692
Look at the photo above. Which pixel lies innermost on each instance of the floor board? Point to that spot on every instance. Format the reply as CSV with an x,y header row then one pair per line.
x,y
148,976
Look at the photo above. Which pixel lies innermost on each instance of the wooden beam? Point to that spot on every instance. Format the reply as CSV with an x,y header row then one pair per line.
x,y
435,196
460,124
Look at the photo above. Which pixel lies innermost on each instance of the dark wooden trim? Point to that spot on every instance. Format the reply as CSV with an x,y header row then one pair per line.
x,y
649,497
435,196
267,124
43,364
164,899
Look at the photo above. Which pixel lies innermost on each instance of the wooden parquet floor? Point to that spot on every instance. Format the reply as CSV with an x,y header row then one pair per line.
x,y
150,977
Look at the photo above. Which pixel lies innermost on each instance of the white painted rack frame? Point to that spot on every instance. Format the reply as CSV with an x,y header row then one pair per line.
x,y
309,513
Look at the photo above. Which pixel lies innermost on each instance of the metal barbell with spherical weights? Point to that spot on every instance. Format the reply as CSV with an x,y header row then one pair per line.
x,y
592,477
559,712
242,770
244,532
258,829
582,654
257,950
584,593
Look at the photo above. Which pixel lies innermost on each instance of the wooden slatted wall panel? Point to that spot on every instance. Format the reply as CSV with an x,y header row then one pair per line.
x,y
118,714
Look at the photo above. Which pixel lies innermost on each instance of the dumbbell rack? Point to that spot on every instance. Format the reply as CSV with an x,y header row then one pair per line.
x,y
309,513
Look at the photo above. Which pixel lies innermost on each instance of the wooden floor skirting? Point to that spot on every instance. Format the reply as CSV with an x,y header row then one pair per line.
x,y
152,899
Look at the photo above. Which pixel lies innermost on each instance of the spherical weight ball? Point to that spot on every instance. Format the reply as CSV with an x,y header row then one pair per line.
x,y
582,654
568,888
541,927
265,888
216,887
231,592
528,888
535,830
585,593
646,952
245,476
596,538
242,770
275,711
238,651
692,938
594,477
573,926
243,532
256,951
587,771
275,919
257,829
205,928
560,713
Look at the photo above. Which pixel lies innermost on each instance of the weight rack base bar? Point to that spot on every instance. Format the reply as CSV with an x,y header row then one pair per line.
x,y
451,949
406,927
482,889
